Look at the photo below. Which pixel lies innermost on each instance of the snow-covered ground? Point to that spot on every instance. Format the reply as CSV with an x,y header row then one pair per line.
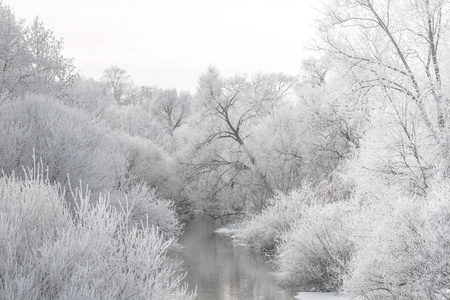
x,y
319,296
224,231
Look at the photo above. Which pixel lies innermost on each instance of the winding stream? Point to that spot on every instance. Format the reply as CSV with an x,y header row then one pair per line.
x,y
223,270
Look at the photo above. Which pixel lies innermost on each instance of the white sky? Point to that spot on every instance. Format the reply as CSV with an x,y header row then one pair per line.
x,y
169,43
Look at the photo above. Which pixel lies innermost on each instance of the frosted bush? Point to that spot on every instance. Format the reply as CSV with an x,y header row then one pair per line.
x,y
314,254
63,137
405,255
263,231
143,206
49,252
145,161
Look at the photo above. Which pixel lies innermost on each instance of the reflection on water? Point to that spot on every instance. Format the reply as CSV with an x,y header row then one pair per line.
x,y
222,270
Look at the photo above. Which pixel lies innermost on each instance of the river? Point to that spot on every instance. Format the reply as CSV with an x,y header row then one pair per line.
x,y
222,269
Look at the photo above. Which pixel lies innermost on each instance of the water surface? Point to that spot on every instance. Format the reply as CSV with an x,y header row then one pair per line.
x,y
223,270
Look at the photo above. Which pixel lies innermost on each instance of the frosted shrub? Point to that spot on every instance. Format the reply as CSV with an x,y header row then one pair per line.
x,y
263,231
63,137
143,206
405,256
145,161
48,252
314,254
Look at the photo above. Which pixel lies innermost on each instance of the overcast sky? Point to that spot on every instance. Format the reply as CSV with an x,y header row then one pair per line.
x,y
168,43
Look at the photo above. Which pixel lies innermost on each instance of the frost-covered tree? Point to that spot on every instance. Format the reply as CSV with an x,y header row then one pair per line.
x,y
132,120
311,135
31,59
314,71
91,97
50,72
395,46
142,96
119,83
395,52
170,107
13,50
227,111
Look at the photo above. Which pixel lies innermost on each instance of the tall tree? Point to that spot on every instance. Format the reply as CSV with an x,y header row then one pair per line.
x,y
118,81
394,51
31,59
393,46
49,71
228,110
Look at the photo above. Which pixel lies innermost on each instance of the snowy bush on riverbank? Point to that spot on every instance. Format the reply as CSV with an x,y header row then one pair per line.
x,y
314,254
144,206
144,161
385,246
405,254
49,251
310,231
264,231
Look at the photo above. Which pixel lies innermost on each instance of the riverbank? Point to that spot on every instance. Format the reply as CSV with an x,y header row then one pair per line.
x,y
230,233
